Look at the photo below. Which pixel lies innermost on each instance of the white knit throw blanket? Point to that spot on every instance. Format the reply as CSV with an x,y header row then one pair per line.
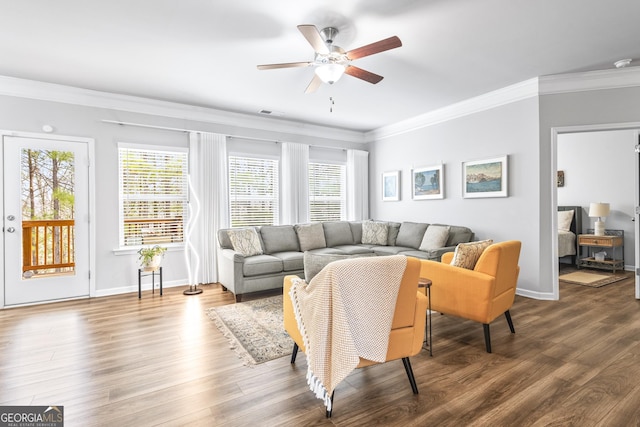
x,y
344,314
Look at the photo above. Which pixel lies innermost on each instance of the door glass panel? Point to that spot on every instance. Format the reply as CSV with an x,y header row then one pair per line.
x,y
48,239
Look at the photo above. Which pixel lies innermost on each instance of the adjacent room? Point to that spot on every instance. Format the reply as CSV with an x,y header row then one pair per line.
x,y
342,213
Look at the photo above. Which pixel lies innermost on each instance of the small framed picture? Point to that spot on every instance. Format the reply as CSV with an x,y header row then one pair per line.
x,y
485,178
391,186
560,179
428,182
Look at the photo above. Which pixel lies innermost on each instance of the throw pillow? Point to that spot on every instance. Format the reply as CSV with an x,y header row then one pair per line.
x,y
310,236
245,241
564,220
313,263
375,233
435,237
467,254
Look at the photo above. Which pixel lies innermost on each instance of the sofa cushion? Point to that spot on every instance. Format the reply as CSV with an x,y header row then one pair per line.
x,y
353,249
291,261
279,238
356,231
467,254
458,234
390,250
310,236
313,263
375,233
337,233
435,237
245,241
261,264
392,235
411,234
223,239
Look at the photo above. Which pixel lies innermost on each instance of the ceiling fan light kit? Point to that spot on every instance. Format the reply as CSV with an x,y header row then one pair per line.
x,y
331,61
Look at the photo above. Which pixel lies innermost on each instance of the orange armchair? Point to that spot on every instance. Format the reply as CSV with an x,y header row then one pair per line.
x,y
407,330
481,294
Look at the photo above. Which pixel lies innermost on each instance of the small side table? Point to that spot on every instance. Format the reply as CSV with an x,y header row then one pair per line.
x,y
613,240
142,273
423,282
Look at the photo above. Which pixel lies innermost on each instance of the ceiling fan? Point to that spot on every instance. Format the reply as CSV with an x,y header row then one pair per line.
x,y
332,61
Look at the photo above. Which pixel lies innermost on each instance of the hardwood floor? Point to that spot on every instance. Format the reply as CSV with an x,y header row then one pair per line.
x,y
120,361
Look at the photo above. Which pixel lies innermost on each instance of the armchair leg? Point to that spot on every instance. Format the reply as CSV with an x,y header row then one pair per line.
x,y
412,379
328,413
487,337
294,353
509,321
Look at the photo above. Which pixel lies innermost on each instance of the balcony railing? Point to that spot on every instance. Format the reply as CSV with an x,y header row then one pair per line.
x,y
48,245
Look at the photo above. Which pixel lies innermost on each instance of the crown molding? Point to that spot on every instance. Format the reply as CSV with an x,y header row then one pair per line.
x,y
590,80
496,98
31,89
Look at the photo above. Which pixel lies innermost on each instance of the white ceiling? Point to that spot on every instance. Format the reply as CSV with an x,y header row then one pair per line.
x,y
205,52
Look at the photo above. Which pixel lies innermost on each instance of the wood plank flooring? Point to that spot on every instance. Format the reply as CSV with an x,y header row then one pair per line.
x,y
120,361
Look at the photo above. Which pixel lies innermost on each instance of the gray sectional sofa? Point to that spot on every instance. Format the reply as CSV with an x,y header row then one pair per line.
x,y
281,248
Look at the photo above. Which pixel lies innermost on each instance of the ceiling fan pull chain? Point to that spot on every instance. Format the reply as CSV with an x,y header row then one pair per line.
x,y
331,104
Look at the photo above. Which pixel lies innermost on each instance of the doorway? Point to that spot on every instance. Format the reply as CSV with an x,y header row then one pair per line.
x,y
46,211
601,167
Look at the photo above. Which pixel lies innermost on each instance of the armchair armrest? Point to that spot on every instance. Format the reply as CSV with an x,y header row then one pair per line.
x,y
459,291
290,322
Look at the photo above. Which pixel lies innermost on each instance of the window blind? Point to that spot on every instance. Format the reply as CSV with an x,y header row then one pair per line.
x,y
153,196
327,190
253,191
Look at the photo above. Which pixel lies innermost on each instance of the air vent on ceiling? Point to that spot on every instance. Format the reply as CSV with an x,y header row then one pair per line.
x,y
271,113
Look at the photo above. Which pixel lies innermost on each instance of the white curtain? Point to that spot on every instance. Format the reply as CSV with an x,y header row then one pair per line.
x,y
357,185
209,178
295,183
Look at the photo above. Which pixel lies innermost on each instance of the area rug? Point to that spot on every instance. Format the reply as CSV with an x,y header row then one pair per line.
x,y
593,280
254,329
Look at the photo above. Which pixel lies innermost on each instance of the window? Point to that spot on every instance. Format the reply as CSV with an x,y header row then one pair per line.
x,y
253,191
153,195
326,192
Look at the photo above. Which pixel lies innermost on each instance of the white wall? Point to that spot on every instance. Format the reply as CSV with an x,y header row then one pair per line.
x,y
600,167
510,129
118,273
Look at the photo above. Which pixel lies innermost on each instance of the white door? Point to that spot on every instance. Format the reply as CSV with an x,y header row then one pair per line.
x,y
46,219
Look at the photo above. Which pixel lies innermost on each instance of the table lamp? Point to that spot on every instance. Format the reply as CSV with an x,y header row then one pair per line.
x,y
599,210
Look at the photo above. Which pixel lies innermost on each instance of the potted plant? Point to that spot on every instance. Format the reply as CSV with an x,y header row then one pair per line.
x,y
150,257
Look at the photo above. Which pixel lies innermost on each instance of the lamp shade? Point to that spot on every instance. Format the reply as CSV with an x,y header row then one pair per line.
x,y
330,73
599,209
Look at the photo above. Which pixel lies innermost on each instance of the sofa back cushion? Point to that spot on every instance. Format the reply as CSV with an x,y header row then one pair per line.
x,y
356,231
458,234
223,239
375,233
310,236
279,238
245,241
337,233
411,234
394,228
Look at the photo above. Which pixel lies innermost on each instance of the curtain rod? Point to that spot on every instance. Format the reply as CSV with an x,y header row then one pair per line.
x,y
142,125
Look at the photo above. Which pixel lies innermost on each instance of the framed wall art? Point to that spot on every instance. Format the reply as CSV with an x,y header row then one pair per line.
x,y
391,186
428,182
485,178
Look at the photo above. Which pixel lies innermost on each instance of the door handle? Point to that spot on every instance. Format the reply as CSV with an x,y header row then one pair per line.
x,y
11,230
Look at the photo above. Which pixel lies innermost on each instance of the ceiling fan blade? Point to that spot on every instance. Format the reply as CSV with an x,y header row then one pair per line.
x,y
311,33
284,65
377,47
314,84
365,75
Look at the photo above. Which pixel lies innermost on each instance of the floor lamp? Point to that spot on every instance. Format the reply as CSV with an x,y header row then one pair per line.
x,y
190,250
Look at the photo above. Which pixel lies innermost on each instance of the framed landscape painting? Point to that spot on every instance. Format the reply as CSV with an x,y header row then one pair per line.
x,y
391,186
428,182
485,178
